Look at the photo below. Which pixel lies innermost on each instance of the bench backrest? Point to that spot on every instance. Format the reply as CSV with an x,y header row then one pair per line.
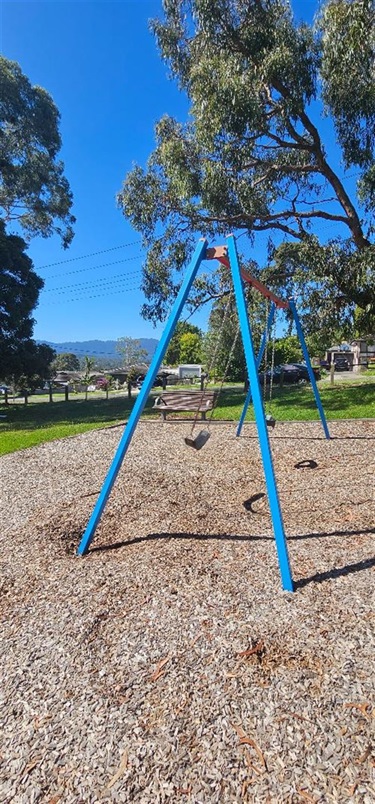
x,y
189,399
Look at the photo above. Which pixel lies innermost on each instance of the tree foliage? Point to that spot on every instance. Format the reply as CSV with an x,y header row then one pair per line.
x,y
254,155
66,361
190,348
33,365
19,290
173,355
35,193
131,351
33,188
223,348
287,350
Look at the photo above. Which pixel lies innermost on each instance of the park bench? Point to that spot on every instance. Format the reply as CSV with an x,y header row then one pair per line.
x,y
197,401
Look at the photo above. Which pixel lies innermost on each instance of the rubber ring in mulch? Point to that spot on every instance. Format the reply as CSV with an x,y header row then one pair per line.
x,y
306,465
248,504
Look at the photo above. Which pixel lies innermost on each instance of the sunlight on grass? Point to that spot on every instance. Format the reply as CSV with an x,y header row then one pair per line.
x,y
39,422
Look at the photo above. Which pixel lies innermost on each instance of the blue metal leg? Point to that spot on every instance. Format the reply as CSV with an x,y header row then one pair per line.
x,y
273,496
309,367
141,399
259,360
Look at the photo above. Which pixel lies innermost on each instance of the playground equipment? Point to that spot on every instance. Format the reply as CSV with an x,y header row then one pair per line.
x,y
201,439
228,256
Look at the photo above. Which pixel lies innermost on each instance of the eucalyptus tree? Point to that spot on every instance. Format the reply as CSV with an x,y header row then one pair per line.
x,y
282,113
19,291
33,189
34,196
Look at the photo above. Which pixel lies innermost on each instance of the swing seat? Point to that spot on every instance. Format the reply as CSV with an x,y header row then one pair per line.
x,y
270,421
199,441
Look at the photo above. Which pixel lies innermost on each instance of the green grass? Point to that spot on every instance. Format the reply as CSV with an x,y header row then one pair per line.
x,y
297,403
40,421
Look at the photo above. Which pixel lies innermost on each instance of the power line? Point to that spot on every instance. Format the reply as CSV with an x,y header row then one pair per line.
x,y
120,283
87,351
94,267
65,288
97,296
93,254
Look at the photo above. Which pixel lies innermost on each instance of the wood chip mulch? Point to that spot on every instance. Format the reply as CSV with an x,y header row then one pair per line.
x,y
168,665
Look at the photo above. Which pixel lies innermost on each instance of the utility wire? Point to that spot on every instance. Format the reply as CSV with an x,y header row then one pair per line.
x,y
65,288
93,254
83,292
97,296
88,351
95,267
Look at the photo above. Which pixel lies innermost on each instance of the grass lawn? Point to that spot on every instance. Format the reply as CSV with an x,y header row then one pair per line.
x,y
37,422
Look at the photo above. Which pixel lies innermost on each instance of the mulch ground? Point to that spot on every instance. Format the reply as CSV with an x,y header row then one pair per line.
x,y
168,665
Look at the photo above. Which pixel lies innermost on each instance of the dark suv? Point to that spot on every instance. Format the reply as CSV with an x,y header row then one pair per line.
x,y
341,364
158,381
303,371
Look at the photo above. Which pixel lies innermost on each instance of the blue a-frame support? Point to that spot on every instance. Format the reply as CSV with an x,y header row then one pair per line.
x,y
254,391
259,360
252,369
198,256
305,351
306,355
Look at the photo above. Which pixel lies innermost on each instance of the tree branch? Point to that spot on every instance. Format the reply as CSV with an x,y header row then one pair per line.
x,y
352,219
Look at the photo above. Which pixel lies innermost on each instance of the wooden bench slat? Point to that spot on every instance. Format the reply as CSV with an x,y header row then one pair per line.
x,y
199,401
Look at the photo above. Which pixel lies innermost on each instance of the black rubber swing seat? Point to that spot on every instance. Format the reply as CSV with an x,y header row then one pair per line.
x,y
199,441
270,421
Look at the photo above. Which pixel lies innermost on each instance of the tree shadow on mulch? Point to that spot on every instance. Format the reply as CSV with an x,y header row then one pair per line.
x,y
299,438
318,577
337,572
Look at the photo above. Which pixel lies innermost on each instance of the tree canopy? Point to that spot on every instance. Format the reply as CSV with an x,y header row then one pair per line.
x,y
268,98
131,351
176,352
66,361
34,193
33,365
33,188
19,290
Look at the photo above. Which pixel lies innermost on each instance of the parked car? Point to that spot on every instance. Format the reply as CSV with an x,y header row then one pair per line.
x,y
4,389
158,381
341,364
303,372
291,375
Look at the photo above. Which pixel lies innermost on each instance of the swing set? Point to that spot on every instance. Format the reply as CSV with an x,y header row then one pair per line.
x,y
227,256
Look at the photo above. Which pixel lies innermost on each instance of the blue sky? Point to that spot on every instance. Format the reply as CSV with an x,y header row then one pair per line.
x,y
101,66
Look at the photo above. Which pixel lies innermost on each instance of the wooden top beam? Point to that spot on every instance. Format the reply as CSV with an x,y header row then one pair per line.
x,y
220,253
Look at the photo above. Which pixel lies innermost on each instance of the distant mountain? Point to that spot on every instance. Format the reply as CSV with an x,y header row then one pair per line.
x,y
105,350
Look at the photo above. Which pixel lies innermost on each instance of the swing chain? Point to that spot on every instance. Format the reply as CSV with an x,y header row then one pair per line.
x,y
230,358
212,363
272,358
265,358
